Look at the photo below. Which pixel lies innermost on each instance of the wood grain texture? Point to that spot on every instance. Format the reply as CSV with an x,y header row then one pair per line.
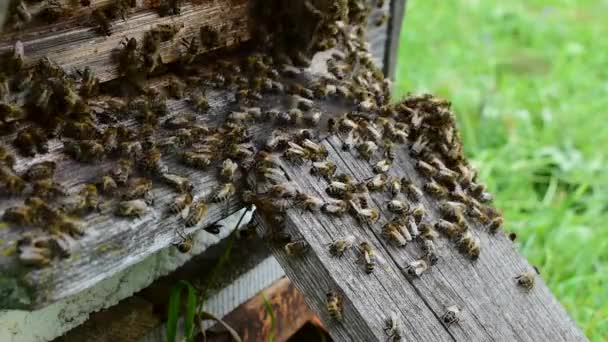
x,y
76,43
493,307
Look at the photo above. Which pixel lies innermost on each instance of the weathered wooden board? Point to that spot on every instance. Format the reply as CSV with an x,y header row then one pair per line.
x,y
492,306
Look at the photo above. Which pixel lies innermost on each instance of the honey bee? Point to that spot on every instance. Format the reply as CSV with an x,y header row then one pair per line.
x,y
30,141
169,7
383,19
103,22
179,183
377,182
393,232
367,256
526,280
430,251
339,246
397,206
228,170
133,208
334,305
413,192
447,176
151,162
107,185
48,189
451,315
6,157
308,202
426,169
296,248
302,103
335,207
325,169
366,149
87,151
197,212
469,245
416,268
495,224
12,184
137,188
452,210
383,166
295,153
393,328
316,151
130,149
199,102
418,213
435,189
197,160
448,228
180,203
340,190
22,215
186,242
41,170
313,119
122,171
368,215
225,191
427,232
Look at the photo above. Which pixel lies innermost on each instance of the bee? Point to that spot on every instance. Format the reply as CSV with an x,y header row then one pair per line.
x,y
199,102
48,189
448,228
296,248
339,189
302,103
377,182
397,206
20,11
383,166
10,112
6,157
339,246
334,305
366,149
526,280
435,189
22,215
325,169
346,125
133,208
427,232
30,141
430,251
41,170
495,224
317,152
308,202
393,328
180,203
138,188
186,242
197,212
295,153
451,315
107,185
367,256
415,268
426,169
452,211
225,191
228,170
418,213
122,171
87,151
368,215
383,19
447,176
175,88
169,7
103,22
468,245
179,183
130,149
151,162
79,130
335,207
197,160
12,184
475,212
413,192
393,232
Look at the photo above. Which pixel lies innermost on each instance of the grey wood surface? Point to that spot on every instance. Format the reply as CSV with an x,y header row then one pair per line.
x,y
493,307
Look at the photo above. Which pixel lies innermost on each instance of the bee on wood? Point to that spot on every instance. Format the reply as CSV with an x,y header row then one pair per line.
x,y
316,152
308,202
122,171
526,280
393,328
377,182
367,215
107,185
393,232
418,213
495,224
87,151
151,162
79,130
180,203
296,248
209,37
339,246
451,315
178,183
186,242
367,256
415,268
34,252
21,215
295,153
9,112
383,19
199,102
340,190
468,245
11,183
448,228
335,207
383,166
103,22
41,170
175,88
225,191
397,206
334,305
325,169
30,141
435,189
137,188
447,176
169,7
197,160
367,149
426,169
197,212
430,251
48,189
228,170
451,210
413,192
427,232
7,158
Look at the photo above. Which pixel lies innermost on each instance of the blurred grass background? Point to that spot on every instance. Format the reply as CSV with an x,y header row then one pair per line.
x,y
529,83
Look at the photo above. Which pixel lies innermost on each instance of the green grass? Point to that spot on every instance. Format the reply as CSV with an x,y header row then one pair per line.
x,y
529,83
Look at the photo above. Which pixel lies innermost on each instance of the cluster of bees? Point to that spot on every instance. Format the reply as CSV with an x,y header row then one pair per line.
x,y
45,102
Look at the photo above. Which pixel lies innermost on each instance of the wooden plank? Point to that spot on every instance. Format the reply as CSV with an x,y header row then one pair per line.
x,y
397,11
74,46
492,306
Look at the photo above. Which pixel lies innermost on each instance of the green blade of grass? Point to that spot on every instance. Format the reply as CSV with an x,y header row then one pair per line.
x,y
190,311
173,315
270,312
